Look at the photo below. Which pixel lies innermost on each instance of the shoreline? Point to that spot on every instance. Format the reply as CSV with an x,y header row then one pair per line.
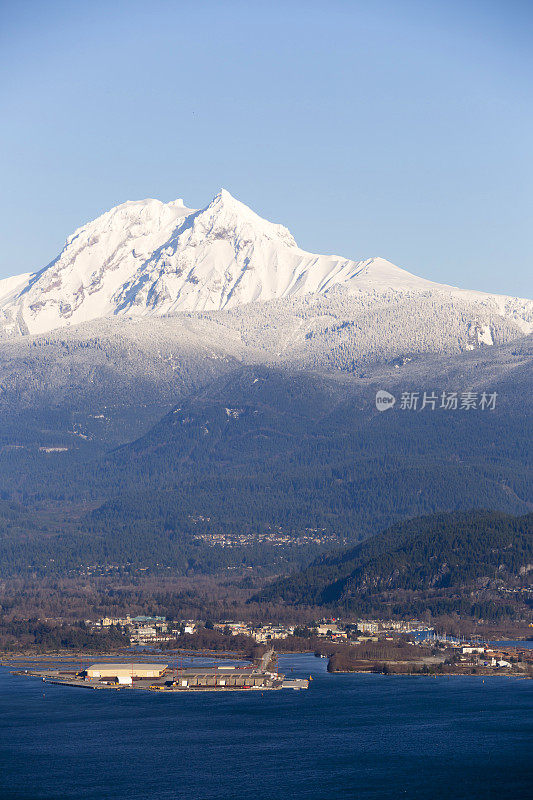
x,y
431,674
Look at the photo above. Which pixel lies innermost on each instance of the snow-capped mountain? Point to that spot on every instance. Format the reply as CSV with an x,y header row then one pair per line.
x,y
151,258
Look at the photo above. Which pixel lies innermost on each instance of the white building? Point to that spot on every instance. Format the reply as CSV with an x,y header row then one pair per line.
x,y
366,626
331,628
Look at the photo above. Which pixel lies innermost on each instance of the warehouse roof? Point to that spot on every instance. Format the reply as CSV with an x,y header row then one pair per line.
x,y
128,665
238,673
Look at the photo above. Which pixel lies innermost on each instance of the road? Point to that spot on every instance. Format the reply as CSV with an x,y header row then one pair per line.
x,y
265,659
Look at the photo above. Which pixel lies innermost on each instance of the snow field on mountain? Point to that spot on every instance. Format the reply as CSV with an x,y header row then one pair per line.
x,y
148,258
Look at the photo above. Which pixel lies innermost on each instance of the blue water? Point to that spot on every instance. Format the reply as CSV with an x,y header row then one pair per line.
x,y
362,737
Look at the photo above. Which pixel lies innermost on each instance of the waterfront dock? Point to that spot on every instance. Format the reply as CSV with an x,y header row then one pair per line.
x,y
164,678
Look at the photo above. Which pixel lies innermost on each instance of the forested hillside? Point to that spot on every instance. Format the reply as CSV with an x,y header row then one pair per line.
x,y
479,563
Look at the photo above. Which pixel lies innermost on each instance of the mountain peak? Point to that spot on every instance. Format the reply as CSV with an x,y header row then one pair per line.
x,y
223,196
228,214
224,201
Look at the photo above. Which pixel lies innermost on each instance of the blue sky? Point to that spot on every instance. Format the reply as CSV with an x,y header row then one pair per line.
x,y
401,129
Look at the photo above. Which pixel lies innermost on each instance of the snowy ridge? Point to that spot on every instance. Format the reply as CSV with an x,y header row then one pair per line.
x,y
11,286
148,258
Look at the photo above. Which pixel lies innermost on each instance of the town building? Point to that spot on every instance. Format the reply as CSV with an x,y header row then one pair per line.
x,y
367,626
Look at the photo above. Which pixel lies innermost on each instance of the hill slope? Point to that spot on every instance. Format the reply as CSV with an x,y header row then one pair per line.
x,y
260,455
425,561
440,562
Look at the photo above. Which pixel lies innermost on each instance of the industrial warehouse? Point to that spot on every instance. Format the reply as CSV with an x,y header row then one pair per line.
x,y
224,678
